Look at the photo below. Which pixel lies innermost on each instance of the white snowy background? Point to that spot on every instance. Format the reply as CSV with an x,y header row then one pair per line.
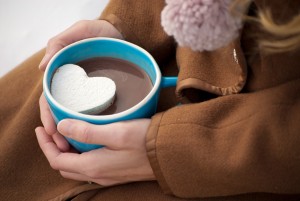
x,y
26,26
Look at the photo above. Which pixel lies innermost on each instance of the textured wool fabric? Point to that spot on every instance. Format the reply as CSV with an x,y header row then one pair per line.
x,y
222,146
212,75
24,171
230,144
140,23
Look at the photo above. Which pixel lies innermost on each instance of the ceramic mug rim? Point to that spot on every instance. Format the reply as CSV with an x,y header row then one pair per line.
x,y
125,113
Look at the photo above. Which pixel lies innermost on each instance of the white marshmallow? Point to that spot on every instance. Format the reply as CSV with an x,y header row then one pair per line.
x,y
72,88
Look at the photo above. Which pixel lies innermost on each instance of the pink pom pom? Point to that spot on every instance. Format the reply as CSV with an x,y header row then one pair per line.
x,y
200,24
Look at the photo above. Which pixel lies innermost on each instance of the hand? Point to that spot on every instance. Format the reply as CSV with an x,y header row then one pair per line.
x,y
50,126
80,30
123,159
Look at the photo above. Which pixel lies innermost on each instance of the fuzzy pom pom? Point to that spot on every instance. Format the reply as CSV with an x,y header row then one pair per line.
x,y
200,24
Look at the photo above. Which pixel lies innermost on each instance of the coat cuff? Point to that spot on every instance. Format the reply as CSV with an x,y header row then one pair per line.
x,y
152,154
220,72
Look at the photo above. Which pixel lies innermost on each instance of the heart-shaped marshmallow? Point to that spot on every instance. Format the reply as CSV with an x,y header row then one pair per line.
x,y
72,88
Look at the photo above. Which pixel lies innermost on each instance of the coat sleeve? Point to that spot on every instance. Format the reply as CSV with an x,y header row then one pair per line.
x,y
229,145
140,23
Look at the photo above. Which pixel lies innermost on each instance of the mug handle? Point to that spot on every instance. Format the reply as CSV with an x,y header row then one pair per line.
x,y
168,82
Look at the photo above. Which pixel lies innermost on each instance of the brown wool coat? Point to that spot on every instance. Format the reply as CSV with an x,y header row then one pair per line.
x,y
235,136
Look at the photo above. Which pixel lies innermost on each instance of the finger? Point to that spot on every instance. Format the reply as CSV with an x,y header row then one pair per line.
x,y
61,142
75,176
52,47
80,30
46,116
92,134
81,177
70,162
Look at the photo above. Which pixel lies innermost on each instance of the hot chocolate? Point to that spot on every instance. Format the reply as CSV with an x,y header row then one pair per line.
x,y
132,83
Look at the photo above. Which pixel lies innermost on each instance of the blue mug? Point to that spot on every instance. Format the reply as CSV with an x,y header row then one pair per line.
x,y
105,47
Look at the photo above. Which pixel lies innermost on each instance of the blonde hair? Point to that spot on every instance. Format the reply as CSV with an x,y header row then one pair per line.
x,y
282,37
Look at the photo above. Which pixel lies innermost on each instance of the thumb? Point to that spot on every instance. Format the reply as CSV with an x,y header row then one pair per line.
x,y
87,133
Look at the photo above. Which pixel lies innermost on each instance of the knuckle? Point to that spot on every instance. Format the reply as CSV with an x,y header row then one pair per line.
x,y
54,165
82,23
85,134
92,174
51,41
64,175
122,136
121,140
106,182
87,27
55,43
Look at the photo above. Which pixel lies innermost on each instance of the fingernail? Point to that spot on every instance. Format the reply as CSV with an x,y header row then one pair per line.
x,y
64,127
44,60
37,132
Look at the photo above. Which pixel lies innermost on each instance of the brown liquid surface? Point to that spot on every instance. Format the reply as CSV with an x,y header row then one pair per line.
x,y
133,84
